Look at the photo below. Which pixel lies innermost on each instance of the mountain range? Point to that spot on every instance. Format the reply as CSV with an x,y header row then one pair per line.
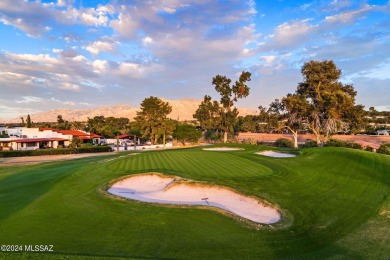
x,y
182,109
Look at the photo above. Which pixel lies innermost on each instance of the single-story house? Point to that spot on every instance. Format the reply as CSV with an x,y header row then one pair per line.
x,y
39,138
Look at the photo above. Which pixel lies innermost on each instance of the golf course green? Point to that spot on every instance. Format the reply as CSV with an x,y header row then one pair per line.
x,y
334,204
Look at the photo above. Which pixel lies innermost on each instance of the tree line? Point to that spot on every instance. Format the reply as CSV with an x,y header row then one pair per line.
x,y
320,105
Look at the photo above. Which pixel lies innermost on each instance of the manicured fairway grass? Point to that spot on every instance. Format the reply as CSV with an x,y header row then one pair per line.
x,y
335,203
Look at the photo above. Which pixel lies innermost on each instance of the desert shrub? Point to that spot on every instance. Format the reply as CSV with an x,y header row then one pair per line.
x,y
354,145
336,143
308,144
384,149
339,143
284,142
249,141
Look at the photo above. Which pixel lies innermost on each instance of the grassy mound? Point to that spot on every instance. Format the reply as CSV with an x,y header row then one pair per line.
x,y
334,200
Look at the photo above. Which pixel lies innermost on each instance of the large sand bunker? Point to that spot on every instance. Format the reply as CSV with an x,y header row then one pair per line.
x,y
222,149
168,190
276,154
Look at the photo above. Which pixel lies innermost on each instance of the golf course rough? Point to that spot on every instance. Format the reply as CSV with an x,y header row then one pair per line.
x,y
333,199
157,188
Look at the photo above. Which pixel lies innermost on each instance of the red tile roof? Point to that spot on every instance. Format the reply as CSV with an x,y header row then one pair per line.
x,y
71,132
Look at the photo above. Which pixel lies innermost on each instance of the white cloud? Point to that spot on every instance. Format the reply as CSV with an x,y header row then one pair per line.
x,y
125,25
147,40
104,45
29,99
292,34
348,17
69,86
92,17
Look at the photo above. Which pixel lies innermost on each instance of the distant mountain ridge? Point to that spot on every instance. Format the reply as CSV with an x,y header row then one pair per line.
x,y
182,109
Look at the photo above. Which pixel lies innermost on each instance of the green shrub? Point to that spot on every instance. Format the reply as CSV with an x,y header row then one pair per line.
x,y
369,149
18,153
336,143
340,143
86,145
308,144
284,142
249,141
384,149
354,145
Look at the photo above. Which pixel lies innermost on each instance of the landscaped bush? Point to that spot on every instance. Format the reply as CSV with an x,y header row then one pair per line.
x,y
86,145
384,149
335,143
284,142
369,149
354,145
18,153
308,144
94,149
249,141
339,143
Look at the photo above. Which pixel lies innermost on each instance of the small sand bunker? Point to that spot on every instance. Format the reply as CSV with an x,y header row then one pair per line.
x,y
168,190
276,154
222,149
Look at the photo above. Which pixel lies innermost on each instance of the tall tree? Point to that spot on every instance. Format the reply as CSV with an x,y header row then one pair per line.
x,y
230,95
28,121
322,99
208,114
290,108
152,117
60,120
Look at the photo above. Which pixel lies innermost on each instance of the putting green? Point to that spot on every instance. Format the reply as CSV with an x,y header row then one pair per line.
x,y
335,202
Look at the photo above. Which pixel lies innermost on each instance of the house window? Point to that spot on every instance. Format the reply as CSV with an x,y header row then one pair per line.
x,y
31,144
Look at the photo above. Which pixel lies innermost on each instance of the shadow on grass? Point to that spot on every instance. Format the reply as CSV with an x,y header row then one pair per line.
x,y
20,188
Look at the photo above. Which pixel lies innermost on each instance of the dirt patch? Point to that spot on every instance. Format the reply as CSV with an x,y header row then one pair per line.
x,y
29,160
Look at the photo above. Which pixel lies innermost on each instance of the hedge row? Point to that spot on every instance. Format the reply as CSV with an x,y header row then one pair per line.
x,y
95,149
339,143
284,142
384,149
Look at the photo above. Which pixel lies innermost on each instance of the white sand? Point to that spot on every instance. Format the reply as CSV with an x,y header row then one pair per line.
x,y
276,154
222,149
166,190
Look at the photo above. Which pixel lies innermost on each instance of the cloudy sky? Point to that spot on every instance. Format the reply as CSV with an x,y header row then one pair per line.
x,y
83,54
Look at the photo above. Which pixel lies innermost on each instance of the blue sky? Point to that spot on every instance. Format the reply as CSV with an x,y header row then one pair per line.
x,y
83,54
